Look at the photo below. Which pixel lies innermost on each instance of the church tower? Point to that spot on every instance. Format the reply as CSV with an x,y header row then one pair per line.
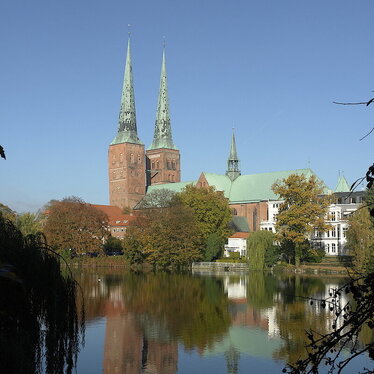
x,y
126,163
162,157
233,162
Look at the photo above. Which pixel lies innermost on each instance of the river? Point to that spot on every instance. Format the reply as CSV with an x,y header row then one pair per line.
x,y
161,323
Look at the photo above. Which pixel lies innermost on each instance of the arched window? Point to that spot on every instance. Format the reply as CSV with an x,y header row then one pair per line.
x,y
234,212
132,158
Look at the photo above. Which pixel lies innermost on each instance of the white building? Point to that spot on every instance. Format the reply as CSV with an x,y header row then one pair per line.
x,y
334,240
237,243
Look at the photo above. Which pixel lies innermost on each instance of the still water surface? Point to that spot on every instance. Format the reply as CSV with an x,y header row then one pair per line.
x,y
182,323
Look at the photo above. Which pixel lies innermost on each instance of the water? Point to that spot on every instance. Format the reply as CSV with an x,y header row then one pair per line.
x,y
182,323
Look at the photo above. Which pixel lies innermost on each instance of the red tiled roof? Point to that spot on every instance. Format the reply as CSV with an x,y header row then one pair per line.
x,y
243,235
121,220
109,210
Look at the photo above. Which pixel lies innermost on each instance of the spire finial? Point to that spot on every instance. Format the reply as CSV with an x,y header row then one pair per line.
x,y
129,29
164,41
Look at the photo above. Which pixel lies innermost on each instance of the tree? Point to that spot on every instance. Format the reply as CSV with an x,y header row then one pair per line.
x,y
28,223
161,198
164,237
303,210
73,224
113,244
260,249
7,213
39,322
210,209
360,240
214,246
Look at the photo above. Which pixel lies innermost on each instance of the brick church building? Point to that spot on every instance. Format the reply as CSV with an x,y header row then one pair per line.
x,y
135,171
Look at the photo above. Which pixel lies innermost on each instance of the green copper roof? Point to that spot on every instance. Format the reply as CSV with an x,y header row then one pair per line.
x,y
233,162
175,187
245,188
162,136
127,131
342,185
251,341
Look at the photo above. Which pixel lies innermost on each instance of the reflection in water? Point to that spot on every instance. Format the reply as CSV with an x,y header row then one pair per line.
x,y
255,316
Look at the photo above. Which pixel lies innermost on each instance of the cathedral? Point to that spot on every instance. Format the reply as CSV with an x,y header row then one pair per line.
x,y
135,171
132,168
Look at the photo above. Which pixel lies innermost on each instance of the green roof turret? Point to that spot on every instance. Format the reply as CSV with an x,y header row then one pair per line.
x,y
162,136
342,185
233,162
127,130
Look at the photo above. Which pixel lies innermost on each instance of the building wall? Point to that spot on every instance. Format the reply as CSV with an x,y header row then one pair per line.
x,y
163,166
254,212
126,167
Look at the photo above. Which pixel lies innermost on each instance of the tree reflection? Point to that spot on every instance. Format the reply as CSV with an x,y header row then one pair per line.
x,y
193,310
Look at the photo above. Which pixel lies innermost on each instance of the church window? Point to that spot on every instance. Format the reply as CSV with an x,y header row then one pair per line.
x,y
139,159
157,165
168,165
173,165
132,157
152,165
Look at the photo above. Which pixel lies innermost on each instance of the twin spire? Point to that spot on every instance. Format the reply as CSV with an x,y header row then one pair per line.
x,y
127,129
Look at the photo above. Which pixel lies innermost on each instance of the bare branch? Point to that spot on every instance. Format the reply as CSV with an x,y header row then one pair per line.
x,y
367,134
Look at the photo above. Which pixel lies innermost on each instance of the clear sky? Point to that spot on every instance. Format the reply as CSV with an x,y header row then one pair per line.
x,y
269,68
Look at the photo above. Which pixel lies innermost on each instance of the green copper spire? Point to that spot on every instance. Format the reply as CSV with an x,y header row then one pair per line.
x,y
127,131
233,162
342,185
162,137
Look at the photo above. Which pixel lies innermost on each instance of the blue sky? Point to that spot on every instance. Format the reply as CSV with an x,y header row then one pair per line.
x,y
269,68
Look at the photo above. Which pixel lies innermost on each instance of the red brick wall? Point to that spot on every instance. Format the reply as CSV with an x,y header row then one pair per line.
x,y
126,167
163,166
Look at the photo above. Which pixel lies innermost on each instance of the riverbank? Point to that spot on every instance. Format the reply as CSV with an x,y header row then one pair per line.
x,y
328,267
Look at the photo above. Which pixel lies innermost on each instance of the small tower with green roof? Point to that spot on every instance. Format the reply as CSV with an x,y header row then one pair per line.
x,y
233,170
126,163
163,157
342,185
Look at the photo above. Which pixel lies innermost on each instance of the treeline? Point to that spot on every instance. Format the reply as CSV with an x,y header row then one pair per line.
x,y
185,227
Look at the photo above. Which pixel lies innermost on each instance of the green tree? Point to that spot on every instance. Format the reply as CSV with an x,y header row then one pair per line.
x,y
73,224
370,202
7,213
113,244
303,210
28,223
210,210
261,250
214,246
360,240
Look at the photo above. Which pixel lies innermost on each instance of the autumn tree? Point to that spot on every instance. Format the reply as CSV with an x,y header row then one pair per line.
x,y
303,210
210,209
73,224
360,240
164,237
7,213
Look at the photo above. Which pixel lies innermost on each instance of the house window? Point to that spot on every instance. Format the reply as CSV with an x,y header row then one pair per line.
x,y
333,247
345,232
333,232
328,248
333,216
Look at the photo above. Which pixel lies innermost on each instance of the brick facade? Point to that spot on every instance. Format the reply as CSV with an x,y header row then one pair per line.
x,y
163,166
126,166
